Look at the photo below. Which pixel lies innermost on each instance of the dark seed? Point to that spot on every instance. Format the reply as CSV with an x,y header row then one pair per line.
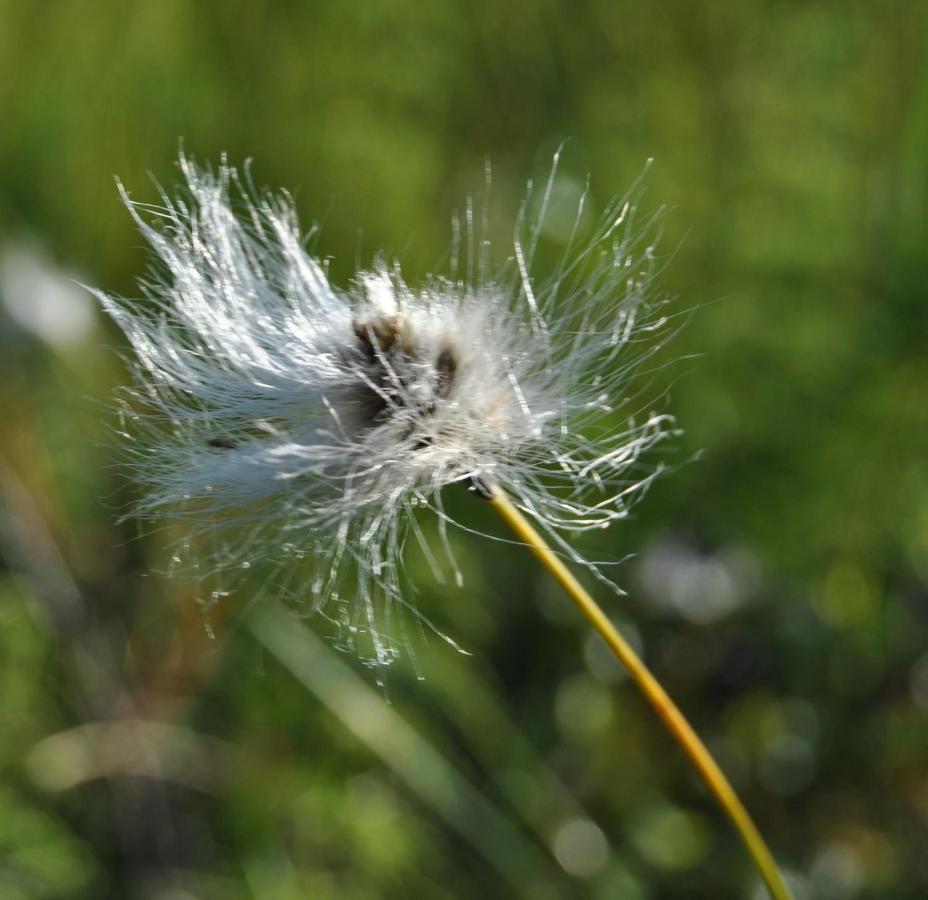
x,y
446,366
375,336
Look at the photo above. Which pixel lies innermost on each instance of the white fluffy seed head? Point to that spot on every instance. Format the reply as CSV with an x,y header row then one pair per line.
x,y
280,417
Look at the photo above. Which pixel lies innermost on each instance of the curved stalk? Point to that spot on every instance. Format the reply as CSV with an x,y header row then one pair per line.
x,y
666,709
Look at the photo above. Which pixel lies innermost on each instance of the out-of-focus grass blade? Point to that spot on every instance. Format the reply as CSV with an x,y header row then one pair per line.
x,y
365,713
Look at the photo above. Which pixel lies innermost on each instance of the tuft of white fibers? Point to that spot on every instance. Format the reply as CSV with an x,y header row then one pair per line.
x,y
278,418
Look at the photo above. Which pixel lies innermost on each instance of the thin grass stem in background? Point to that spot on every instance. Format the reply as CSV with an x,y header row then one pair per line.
x,y
517,859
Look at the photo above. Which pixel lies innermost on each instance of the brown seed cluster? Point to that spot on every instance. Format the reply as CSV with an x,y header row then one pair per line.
x,y
387,352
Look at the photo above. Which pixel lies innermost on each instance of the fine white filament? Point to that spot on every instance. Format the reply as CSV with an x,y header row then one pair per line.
x,y
280,419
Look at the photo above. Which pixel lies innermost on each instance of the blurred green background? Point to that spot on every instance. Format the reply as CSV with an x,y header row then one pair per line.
x,y
779,586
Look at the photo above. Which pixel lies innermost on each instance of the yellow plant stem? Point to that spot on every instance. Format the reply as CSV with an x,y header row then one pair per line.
x,y
713,776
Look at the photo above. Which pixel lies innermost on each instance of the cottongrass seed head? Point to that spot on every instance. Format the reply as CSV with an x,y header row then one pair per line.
x,y
282,421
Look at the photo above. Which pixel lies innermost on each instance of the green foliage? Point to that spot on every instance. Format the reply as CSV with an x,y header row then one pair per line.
x,y
780,587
